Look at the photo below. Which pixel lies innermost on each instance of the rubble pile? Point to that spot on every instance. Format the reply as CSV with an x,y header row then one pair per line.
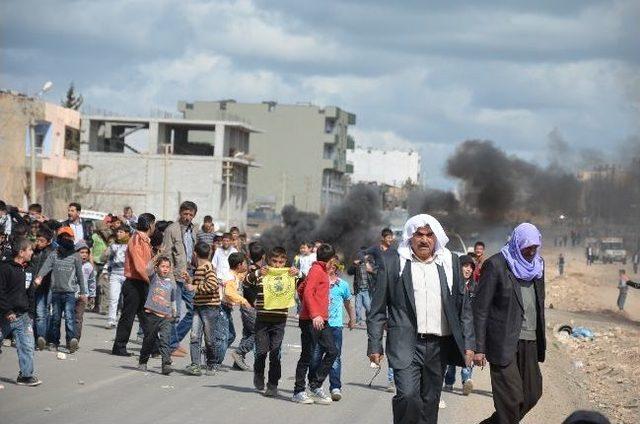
x,y
611,370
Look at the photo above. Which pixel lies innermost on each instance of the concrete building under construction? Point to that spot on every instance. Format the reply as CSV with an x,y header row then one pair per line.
x,y
153,164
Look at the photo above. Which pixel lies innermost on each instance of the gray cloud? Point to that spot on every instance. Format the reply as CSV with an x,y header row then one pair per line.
x,y
423,75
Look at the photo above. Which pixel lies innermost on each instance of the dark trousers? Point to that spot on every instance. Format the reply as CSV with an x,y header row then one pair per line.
x,y
310,339
157,333
134,295
247,343
517,386
62,303
418,386
81,305
336,368
269,337
224,333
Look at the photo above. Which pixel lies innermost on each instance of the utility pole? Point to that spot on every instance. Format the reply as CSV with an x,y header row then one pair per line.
x,y
284,189
228,168
32,147
164,180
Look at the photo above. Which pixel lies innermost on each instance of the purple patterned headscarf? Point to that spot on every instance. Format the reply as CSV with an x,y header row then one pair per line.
x,y
523,236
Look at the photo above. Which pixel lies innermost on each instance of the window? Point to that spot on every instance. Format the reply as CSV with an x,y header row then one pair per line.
x,y
328,151
329,125
71,139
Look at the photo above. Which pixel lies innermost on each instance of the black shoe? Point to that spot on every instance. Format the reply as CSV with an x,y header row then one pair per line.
x,y
42,343
258,382
121,353
166,369
73,345
28,381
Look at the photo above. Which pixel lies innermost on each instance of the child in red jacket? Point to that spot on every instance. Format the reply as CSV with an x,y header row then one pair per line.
x,y
314,318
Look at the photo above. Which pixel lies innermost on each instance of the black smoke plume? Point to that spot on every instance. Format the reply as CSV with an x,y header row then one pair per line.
x,y
353,223
496,184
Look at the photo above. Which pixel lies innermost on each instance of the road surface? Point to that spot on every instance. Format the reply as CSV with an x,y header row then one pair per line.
x,y
94,386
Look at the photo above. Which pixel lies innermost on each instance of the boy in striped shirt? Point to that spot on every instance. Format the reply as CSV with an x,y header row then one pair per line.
x,y
206,308
270,325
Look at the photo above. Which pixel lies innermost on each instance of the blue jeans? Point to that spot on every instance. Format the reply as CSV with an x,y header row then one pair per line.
x,y
62,303
336,368
181,329
450,374
224,333
363,301
22,330
43,302
204,323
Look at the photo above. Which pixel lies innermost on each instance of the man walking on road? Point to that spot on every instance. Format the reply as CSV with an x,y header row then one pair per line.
x,y
420,298
508,310
179,240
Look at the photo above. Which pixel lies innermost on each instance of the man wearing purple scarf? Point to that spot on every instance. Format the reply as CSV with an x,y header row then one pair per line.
x,y
508,313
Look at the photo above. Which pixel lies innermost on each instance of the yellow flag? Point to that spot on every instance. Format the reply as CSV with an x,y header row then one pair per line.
x,y
279,289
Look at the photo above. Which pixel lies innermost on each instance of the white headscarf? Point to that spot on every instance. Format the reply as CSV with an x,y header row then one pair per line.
x,y
442,255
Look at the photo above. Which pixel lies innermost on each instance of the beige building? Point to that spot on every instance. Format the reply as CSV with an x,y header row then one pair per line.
x,y
154,164
302,150
56,131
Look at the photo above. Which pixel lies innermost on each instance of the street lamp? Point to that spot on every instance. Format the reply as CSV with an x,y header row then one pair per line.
x,y
32,144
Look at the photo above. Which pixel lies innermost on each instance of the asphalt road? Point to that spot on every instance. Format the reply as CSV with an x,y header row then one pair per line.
x,y
94,386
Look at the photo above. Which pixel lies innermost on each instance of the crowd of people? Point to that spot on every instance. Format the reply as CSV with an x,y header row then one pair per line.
x,y
436,310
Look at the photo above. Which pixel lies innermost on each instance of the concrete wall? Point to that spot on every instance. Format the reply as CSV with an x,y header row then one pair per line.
x,y
291,150
391,167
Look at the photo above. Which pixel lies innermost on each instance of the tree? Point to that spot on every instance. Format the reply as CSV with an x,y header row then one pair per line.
x,y
72,100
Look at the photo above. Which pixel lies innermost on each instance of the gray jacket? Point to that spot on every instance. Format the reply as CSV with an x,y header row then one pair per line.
x,y
173,246
393,304
66,272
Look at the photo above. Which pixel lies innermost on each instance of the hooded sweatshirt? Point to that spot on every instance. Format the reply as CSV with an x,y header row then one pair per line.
x,y
65,267
315,293
16,290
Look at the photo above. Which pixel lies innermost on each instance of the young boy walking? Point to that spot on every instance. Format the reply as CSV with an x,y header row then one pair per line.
x,y
270,325
115,256
225,332
43,291
67,280
206,308
314,317
257,256
16,296
339,298
90,278
160,311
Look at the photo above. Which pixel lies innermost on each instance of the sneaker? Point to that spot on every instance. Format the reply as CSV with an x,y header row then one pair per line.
x,y
258,382
272,391
239,361
28,381
302,398
391,388
53,347
142,367
110,325
73,345
320,397
121,353
467,387
336,395
42,343
211,371
194,369
448,387
166,369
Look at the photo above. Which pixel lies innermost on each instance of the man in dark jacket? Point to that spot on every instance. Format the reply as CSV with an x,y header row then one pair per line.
x,y
16,301
420,298
82,229
43,291
509,321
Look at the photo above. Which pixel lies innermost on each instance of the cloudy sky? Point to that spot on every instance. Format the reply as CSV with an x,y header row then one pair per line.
x,y
419,74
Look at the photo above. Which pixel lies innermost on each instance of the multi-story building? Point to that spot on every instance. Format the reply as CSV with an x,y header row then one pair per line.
x,y
154,164
302,150
391,167
56,133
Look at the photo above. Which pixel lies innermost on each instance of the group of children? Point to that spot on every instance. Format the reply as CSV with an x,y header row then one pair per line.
x,y
264,311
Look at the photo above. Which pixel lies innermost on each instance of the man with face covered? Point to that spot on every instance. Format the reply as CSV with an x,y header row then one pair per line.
x,y
420,298
179,241
508,310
